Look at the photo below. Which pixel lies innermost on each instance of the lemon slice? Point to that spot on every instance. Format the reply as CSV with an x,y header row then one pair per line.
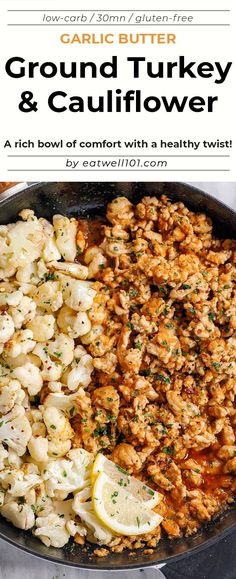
x,y
120,511
124,480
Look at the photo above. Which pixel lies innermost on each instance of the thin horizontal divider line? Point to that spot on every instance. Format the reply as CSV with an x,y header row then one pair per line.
x,y
113,170
111,10
103,10
115,24
125,156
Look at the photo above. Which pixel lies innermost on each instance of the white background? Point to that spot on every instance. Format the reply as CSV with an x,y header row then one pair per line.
x,y
42,44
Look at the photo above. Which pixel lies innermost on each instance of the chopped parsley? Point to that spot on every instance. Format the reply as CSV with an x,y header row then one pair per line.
x,y
168,450
211,316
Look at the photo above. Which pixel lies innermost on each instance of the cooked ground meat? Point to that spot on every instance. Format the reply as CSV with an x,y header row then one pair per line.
x,y
163,339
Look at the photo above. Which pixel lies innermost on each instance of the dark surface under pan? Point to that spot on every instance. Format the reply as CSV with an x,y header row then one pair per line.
x,y
89,200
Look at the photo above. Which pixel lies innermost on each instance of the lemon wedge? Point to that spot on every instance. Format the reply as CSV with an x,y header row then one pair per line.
x,y
125,481
119,511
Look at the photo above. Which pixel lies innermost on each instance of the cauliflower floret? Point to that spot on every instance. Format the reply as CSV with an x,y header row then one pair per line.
x,y
68,475
15,430
21,343
55,386
77,294
52,369
3,456
42,327
53,355
7,327
24,312
81,374
30,377
80,456
25,242
73,323
58,447
6,269
65,230
86,513
43,503
52,531
10,395
50,249
62,349
5,372
57,423
73,269
18,482
10,298
21,360
21,516
63,401
38,448
73,528
28,274
48,296
13,459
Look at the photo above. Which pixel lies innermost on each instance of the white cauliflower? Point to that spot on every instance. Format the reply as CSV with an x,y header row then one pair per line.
x,y
81,457
12,363
6,269
73,528
7,327
5,372
13,459
48,296
25,241
3,456
55,386
65,231
77,294
50,250
43,503
75,270
65,402
58,447
21,343
62,349
30,377
42,327
57,423
24,312
28,274
21,516
52,531
17,482
76,324
38,448
10,395
86,513
80,375
15,430
52,369
67,475
10,298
